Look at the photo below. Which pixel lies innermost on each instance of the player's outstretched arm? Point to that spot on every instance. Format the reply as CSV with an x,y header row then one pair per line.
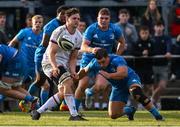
x,y
121,46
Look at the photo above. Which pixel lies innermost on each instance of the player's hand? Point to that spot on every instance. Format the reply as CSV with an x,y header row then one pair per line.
x,y
105,74
168,55
95,50
55,72
75,77
145,52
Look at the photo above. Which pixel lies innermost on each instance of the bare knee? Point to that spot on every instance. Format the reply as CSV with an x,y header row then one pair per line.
x,y
114,115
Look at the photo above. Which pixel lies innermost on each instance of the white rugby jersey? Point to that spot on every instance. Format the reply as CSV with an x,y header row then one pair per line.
x,y
62,57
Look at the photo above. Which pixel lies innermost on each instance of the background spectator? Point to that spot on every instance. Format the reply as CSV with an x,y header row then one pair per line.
x,y
151,15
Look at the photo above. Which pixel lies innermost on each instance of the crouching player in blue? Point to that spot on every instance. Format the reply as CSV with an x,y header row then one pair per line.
x,y
124,81
11,77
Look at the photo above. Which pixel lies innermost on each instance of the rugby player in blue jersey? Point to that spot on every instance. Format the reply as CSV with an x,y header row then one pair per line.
x,y
12,69
28,40
40,76
124,82
101,34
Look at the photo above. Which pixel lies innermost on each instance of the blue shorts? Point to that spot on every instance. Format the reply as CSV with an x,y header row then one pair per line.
x,y
29,75
120,90
15,68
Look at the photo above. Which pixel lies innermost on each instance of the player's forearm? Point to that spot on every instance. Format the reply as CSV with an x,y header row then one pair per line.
x,y
72,64
52,59
82,73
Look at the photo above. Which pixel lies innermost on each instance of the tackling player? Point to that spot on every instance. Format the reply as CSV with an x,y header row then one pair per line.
x,y
101,34
124,81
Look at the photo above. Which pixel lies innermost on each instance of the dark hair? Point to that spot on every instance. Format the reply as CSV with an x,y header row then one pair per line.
x,y
72,11
2,13
104,11
29,15
101,53
144,28
159,23
61,8
123,11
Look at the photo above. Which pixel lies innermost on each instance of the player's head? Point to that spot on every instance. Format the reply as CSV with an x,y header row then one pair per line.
x,y
37,22
82,26
29,19
102,57
124,16
144,32
61,13
72,17
104,18
159,28
2,19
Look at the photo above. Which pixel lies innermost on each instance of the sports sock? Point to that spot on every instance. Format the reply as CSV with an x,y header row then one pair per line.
x,y
28,98
127,110
154,112
44,96
77,102
71,104
89,92
33,88
50,103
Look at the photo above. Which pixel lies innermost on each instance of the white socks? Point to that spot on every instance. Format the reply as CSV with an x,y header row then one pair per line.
x,y
50,103
69,98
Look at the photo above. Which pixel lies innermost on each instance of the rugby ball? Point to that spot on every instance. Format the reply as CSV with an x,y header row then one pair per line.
x,y
65,43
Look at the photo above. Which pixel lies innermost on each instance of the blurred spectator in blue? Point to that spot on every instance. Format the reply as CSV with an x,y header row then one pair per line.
x,y
143,48
151,15
162,46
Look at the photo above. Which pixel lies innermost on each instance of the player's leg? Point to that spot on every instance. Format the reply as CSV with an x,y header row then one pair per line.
x,y
79,93
40,82
100,84
137,93
117,104
68,85
51,103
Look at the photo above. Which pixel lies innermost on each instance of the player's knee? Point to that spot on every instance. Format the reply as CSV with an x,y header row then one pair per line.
x,y
114,115
139,96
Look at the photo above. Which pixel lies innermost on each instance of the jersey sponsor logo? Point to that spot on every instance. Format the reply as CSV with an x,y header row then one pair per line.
x,y
112,36
29,38
95,36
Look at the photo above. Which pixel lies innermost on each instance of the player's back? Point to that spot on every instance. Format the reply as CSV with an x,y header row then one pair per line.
x,y
7,53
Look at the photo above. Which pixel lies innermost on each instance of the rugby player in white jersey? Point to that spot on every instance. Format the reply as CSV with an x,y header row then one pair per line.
x,y
59,64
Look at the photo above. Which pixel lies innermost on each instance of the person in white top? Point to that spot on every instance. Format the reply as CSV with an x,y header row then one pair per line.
x,y
59,65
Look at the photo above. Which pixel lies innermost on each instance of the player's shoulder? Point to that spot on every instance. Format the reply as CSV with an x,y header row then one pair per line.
x,y
52,23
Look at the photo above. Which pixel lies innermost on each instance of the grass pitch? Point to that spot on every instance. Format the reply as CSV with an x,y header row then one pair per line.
x,y
96,118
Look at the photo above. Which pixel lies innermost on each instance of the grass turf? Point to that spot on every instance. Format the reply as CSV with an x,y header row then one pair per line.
x,y
96,118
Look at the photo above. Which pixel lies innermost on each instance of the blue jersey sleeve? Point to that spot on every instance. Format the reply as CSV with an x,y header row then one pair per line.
x,y
88,34
119,61
117,32
22,33
93,66
48,29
